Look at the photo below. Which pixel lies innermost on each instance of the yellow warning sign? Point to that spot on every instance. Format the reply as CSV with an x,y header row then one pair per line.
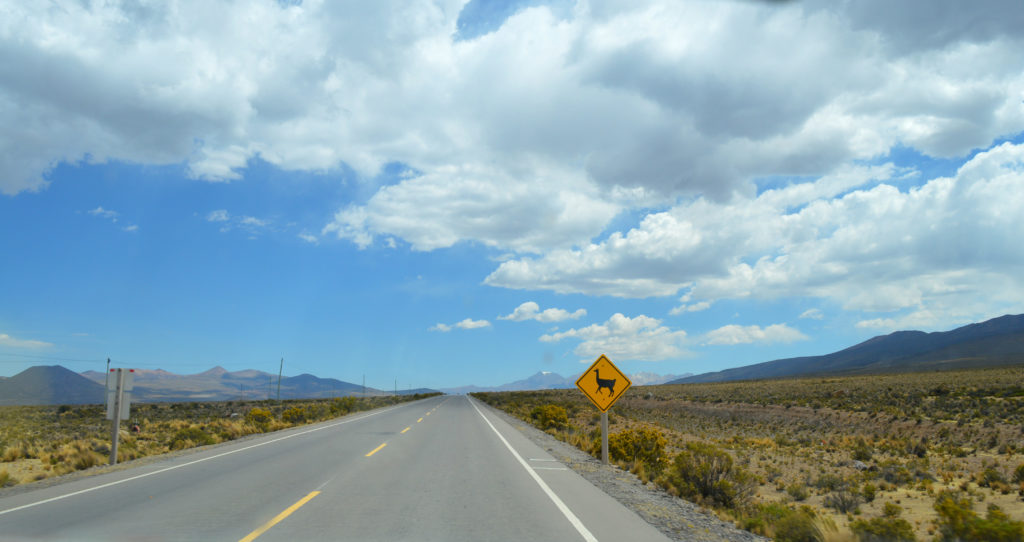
x,y
603,383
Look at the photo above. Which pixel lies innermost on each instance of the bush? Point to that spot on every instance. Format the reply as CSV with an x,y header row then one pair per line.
x,y
706,473
644,446
259,416
1018,475
843,500
798,526
885,529
798,492
959,522
188,437
294,415
550,417
343,405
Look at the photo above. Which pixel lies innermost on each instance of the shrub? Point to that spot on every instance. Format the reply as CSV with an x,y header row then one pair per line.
x,y
868,492
6,480
259,416
550,417
189,436
989,477
343,405
644,446
884,529
706,473
798,492
294,415
843,500
798,526
959,522
1018,475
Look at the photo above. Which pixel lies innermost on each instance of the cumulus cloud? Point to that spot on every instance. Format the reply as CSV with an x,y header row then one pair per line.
x,y
948,247
641,338
734,334
531,311
12,342
309,238
467,323
530,137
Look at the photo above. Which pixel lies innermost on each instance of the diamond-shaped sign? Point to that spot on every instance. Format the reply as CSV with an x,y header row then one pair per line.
x,y
603,383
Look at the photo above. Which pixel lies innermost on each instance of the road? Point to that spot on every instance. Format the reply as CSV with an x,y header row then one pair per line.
x,y
444,468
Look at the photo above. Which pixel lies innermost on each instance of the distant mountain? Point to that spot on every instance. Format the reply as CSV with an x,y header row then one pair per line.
x,y
219,384
545,380
653,379
993,343
49,385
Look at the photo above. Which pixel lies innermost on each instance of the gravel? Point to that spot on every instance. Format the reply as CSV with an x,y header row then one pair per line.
x,y
676,518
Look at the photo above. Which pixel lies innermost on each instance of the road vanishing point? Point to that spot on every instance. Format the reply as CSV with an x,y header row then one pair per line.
x,y
445,468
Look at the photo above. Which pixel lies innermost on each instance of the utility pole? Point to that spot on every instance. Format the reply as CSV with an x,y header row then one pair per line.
x,y
279,371
364,385
119,402
396,387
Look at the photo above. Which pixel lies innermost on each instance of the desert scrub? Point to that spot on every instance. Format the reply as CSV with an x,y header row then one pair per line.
x,y
707,474
641,449
959,522
260,417
783,523
294,415
188,437
550,417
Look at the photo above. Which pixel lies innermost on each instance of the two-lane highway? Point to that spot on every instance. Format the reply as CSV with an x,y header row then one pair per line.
x,y
443,468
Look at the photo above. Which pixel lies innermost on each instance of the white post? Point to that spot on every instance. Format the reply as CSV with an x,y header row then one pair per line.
x,y
604,438
115,425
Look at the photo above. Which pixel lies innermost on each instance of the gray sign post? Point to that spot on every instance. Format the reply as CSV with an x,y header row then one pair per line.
x,y
119,402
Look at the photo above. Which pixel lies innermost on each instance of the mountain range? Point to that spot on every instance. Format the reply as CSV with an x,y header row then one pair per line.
x,y
546,380
992,343
47,385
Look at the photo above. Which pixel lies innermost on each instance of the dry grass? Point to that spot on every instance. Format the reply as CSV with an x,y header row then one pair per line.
x,y
38,442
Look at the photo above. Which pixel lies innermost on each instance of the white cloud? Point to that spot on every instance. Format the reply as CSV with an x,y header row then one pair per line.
x,y
309,238
628,339
12,342
734,334
949,247
104,213
531,311
529,138
253,222
813,314
220,215
131,228
467,323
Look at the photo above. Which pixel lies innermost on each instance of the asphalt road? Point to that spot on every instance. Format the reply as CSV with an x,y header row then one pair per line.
x,y
444,468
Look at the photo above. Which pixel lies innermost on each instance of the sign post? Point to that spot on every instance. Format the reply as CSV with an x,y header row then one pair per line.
x,y
119,402
603,391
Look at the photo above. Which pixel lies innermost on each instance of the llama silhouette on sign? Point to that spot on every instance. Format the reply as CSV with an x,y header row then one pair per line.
x,y
604,383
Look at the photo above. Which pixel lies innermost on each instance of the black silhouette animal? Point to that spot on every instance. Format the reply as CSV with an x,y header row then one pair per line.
x,y
604,383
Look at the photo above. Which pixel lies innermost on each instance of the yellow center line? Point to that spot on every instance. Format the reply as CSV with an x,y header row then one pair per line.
x,y
377,449
419,420
278,518
406,429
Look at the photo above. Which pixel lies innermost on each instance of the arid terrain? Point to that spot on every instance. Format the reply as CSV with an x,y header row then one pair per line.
x,y
37,442
923,456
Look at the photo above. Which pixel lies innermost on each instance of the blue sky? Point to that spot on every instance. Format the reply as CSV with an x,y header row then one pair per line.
x,y
454,194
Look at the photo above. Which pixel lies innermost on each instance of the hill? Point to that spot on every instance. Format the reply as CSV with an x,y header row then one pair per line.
x,y
49,385
993,343
219,384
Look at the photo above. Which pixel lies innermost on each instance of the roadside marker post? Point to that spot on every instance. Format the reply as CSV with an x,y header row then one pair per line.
x,y
119,404
603,392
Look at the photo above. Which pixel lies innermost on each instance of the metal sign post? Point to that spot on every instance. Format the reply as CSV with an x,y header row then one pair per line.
x,y
603,391
118,404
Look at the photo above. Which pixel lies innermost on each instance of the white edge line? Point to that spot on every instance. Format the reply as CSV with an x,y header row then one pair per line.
x,y
114,483
582,529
